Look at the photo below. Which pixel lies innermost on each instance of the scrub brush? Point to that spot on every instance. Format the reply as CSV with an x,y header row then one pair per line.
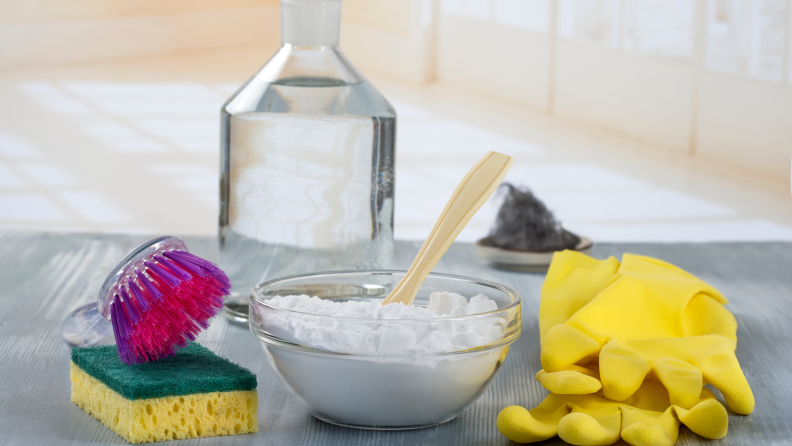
x,y
158,299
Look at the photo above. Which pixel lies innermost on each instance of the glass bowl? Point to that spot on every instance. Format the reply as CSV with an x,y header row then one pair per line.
x,y
383,388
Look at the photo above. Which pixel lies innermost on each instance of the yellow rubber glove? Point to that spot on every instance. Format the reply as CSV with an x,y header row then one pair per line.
x,y
570,269
574,380
682,365
646,418
644,300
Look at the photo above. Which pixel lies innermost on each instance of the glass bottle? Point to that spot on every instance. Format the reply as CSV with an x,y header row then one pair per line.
x,y
307,158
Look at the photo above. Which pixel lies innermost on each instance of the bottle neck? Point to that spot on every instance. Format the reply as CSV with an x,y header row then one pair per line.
x,y
310,22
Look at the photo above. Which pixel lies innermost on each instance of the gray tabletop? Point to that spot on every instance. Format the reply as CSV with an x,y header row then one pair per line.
x,y
43,276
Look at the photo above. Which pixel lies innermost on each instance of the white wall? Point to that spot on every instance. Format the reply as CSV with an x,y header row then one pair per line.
x,y
41,34
506,61
644,97
392,38
746,123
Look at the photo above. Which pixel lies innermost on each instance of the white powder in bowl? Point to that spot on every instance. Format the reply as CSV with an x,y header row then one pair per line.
x,y
373,329
399,374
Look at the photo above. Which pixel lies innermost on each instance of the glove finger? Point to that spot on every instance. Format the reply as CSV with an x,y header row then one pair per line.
x,y
517,424
648,428
682,380
712,354
621,372
579,428
707,418
723,371
564,346
574,381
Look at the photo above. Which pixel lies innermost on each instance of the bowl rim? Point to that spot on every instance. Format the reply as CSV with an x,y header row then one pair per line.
x,y
517,302
280,343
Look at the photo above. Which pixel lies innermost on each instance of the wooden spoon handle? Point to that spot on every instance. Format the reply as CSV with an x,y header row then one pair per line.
x,y
472,192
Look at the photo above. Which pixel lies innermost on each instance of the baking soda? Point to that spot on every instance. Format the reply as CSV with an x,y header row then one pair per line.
x,y
403,367
370,328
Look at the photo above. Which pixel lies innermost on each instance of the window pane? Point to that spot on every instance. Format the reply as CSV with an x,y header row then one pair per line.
x,y
453,6
660,27
532,15
590,21
478,9
747,37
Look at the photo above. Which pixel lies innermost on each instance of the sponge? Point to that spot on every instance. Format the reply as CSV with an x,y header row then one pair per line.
x,y
192,394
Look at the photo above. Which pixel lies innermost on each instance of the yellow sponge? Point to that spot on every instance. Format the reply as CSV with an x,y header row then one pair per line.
x,y
143,407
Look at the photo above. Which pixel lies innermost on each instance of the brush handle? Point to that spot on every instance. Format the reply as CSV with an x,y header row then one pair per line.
x,y
85,326
89,324
472,192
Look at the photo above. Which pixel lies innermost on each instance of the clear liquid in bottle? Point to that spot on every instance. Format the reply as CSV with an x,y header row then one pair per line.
x,y
307,161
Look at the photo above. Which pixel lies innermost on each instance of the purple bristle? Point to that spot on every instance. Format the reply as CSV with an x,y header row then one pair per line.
x,y
138,295
126,318
184,263
163,274
207,266
130,306
151,291
120,325
173,268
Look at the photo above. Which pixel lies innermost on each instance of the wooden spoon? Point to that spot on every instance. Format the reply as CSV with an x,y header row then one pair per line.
x,y
472,192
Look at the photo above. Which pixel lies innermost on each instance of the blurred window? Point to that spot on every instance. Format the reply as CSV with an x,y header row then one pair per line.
x,y
530,15
748,38
479,9
660,27
650,27
594,22
454,6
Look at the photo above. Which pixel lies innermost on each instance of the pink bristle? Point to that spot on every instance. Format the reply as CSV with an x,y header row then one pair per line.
x,y
170,304
207,268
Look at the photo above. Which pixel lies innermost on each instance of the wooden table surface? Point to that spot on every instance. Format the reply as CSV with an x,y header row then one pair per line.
x,y
43,276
